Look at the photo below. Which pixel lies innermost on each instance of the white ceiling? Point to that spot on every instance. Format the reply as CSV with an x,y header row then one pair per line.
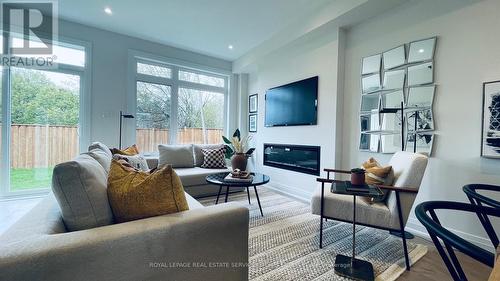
x,y
203,26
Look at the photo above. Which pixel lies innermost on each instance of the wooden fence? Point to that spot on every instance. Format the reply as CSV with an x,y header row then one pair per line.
x,y
148,139
38,146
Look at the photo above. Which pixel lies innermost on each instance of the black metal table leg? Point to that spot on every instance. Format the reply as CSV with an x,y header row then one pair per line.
x,y
258,200
227,192
321,213
218,194
248,194
402,230
351,267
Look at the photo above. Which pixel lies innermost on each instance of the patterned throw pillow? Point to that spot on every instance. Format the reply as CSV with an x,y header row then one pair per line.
x,y
136,161
376,174
213,158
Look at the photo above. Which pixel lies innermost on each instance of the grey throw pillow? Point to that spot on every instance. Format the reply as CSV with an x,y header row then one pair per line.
x,y
198,155
80,187
102,157
136,161
179,156
101,146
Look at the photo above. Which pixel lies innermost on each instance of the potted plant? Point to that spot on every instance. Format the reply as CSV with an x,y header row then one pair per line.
x,y
358,176
235,149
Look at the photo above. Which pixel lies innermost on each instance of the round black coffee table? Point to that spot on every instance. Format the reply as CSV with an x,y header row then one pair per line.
x,y
258,179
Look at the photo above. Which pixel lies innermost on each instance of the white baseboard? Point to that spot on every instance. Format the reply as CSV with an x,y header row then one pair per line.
x,y
289,191
414,226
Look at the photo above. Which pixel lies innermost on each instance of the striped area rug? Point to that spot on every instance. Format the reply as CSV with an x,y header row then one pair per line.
x,y
284,244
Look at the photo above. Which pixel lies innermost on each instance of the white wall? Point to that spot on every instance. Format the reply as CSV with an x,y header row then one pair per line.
x,y
468,54
315,55
109,74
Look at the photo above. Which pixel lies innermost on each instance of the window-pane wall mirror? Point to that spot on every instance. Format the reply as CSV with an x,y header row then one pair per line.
x,y
392,99
424,121
370,122
371,64
419,143
420,97
397,96
391,122
394,57
422,50
390,143
371,83
369,142
369,103
394,79
420,74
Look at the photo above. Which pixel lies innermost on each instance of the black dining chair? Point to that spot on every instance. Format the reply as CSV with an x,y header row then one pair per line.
x,y
426,214
471,190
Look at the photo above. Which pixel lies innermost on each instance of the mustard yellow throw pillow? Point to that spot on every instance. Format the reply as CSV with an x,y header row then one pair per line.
x,y
135,194
376,174
129,151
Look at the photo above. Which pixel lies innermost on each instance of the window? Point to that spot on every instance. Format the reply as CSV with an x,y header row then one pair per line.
x,y
153,115
41,119
200,116
154,70
63,53
201,79
177,105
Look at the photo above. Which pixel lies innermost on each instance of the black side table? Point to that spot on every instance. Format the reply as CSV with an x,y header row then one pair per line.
x,y
258,179
352,267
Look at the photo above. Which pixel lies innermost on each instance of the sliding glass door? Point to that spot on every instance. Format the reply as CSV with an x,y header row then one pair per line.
x,y
44,125
41,120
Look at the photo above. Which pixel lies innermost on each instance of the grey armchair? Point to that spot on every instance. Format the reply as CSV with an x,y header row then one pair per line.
x,y
409,169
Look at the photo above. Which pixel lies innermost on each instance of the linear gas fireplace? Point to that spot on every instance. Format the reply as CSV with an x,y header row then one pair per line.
x,y
299,158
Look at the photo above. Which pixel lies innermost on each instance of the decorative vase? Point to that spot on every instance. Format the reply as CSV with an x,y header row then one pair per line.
x,y
358,177
239,161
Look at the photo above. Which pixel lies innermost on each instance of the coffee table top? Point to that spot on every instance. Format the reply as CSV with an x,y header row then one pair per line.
x,y
218,179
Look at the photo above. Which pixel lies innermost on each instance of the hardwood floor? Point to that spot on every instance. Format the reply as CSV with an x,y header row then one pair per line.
x,y
432,268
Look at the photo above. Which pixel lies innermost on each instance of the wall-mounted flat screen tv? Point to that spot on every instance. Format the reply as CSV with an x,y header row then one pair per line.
x,y
293,104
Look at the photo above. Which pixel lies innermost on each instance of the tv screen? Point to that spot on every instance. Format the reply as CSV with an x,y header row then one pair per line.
x,y
292,104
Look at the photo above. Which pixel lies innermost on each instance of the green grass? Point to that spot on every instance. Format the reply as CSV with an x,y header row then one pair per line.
x,y
22,179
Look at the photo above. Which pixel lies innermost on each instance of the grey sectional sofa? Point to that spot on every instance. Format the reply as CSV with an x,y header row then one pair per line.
x,y
203,243
193,177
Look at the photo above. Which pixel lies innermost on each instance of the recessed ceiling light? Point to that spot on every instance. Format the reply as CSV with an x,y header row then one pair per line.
x,y
230,47
421,50
108,11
